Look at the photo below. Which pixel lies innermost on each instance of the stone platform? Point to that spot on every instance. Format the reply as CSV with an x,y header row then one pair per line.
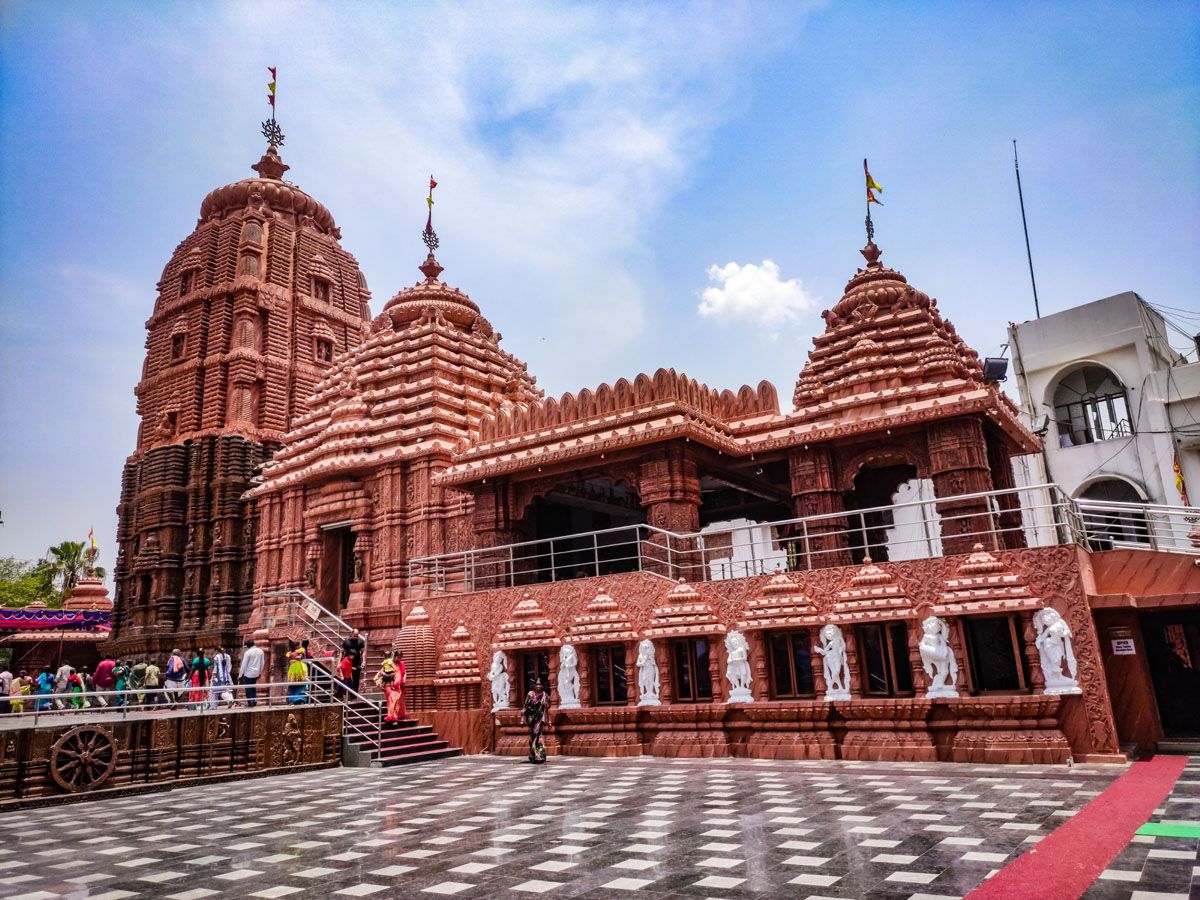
x,y
74,756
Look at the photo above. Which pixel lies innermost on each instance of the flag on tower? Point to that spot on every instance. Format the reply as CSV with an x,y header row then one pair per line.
x,y
92,549
429,200
872,186
271,88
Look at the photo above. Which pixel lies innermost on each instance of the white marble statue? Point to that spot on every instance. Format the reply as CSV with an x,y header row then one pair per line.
x,y
937,658
498,676
647,675
1053,642
837,669
568,678
737,667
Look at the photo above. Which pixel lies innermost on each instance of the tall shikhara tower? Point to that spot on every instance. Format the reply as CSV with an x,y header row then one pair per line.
x,y
252,309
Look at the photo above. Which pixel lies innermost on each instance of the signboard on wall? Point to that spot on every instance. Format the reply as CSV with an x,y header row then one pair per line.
x,y
1122,640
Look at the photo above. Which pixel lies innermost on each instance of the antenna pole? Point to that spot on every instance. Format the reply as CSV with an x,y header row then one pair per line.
x,y
1025,225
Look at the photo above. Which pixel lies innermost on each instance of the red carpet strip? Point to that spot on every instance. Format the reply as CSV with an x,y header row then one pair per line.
x,y
1065,863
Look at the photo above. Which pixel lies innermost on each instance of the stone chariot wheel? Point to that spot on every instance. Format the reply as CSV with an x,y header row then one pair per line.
x,y
83,758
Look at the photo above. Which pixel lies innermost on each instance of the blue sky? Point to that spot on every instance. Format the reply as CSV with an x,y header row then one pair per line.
x,y
600,169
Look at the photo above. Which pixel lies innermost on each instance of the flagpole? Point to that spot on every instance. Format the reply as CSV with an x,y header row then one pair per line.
x,y
1025,225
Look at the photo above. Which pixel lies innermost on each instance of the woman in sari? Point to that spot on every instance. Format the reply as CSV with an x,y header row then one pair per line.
x,y
393,689
199,693
121,683
537,703
297,673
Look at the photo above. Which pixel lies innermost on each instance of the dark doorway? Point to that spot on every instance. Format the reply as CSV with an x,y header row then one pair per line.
x,y
1173,651
337,568
564,522
873,487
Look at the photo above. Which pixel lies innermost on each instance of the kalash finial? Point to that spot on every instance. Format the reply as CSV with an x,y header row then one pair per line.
x,y
430,268
270,128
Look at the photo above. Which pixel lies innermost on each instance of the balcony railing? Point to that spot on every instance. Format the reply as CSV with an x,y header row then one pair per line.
x,y
1038,516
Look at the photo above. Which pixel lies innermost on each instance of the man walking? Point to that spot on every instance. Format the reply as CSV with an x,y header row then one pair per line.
x,y
104,679
250,669
65,671
6,680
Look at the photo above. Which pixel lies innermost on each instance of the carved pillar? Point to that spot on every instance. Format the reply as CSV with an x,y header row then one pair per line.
x,y
494,525
716,668
760,678
1033,661
920,680
669,488
958,464
1000,461
817,661
823,543
666,674
857,687
584,668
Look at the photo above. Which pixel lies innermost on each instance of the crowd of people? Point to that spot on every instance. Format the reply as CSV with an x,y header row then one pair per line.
x,y
201,679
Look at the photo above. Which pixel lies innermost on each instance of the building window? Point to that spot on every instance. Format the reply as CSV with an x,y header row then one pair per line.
x,y
1090,405
609,666
320,289
693,680
324,352
883,655
994,653
535,666
791,664
1113,520
178,345
185,282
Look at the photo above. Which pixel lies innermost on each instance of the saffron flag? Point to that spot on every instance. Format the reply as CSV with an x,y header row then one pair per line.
x,y
271,87
872,186
92,549
1179,483
429,200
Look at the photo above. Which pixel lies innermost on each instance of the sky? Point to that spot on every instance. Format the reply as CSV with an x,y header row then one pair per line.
x,y
621,186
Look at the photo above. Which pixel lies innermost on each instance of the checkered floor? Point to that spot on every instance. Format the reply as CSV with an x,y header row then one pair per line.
x,y
1158,867
488,827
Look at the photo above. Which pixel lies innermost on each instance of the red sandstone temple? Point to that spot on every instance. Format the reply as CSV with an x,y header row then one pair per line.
x,y
692,570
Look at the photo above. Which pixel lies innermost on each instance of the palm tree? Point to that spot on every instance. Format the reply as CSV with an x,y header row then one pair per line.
x,y
67,563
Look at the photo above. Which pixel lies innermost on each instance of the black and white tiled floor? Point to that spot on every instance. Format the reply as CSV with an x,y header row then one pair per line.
x,y
497,828
1156,867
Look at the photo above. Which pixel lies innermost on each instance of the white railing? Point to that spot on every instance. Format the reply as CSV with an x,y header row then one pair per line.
x,y
287,609
1037,516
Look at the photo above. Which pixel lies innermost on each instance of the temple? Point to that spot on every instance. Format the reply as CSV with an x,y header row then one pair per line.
x,y
693,571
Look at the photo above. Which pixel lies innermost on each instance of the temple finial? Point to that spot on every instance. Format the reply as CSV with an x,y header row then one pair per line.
x,y
270,128
430,267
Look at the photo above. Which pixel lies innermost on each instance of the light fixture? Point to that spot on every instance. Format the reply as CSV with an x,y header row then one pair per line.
x,y
995,368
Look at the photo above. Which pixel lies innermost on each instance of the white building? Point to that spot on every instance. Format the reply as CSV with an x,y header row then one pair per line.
x,y
1114,403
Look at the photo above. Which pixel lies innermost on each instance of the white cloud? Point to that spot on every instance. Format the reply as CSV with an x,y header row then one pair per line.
x,y
755,294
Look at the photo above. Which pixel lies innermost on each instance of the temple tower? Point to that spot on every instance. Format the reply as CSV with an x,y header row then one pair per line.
x,y
252,308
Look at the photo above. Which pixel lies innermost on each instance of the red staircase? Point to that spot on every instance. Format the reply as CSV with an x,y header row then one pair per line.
x,y
405,742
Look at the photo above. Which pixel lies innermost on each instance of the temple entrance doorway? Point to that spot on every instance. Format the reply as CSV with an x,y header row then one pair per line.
x,y
565,520
337,567
873,487
1173,652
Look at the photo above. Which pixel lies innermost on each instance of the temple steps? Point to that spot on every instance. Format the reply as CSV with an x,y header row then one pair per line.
x,y
406,741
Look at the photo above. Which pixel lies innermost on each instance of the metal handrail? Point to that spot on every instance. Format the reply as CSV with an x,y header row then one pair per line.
x,y
1043,514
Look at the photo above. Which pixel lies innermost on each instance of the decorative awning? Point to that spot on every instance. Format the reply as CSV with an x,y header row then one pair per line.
x,y
985,585
12,620
685,614
872,595
781,605
603,620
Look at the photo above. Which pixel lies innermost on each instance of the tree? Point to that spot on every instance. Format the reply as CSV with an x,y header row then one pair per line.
x,y
69,562
23,582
